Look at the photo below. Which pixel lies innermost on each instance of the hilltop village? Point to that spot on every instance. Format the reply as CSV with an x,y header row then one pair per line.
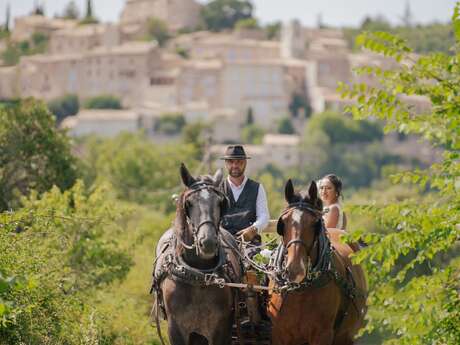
x,y
225,79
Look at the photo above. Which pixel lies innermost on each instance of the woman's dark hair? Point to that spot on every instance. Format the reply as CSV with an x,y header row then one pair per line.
x,y
336,181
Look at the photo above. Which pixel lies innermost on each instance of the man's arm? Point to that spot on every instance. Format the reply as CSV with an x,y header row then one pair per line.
x,y
263,215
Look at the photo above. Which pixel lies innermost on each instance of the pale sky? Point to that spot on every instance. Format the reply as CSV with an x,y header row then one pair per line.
x,y
333,12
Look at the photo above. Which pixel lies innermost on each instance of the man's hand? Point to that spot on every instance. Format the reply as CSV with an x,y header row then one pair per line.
x,y
248,233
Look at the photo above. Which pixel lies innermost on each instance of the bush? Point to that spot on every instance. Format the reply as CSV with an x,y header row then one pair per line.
x,y
103,102
252,134
285,126
158,30
341,128
247,23
56,251
64,106
170,124
38,44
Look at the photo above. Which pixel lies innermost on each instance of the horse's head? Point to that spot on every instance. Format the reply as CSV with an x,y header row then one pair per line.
x,y
300,225
199,211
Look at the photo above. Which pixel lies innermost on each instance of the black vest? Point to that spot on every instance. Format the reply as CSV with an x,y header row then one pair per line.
x,y
242,213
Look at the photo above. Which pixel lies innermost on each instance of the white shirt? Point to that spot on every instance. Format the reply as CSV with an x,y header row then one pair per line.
x,y
262,214
340,220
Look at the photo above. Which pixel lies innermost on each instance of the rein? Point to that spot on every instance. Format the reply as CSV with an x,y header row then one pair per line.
x,y
323,261
195,188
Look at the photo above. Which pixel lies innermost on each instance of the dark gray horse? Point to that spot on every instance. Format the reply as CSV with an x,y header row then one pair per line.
x,y
187,256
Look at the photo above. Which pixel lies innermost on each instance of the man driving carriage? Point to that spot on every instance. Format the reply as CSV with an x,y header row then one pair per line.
x,y
247,213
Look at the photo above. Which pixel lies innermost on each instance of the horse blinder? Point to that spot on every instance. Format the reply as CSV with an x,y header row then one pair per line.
x,y
280,226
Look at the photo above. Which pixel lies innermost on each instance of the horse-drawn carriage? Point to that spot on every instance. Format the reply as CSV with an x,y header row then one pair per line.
x,y
208,290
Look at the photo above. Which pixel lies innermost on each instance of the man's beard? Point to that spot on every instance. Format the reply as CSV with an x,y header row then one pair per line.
x,y
236,172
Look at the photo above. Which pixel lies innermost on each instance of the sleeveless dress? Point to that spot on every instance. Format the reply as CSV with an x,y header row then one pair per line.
x,y
340,222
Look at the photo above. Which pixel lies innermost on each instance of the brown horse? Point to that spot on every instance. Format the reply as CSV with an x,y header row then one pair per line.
x,y
320,296
188,256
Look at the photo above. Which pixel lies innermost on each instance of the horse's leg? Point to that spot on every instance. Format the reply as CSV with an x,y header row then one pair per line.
x,y
175,335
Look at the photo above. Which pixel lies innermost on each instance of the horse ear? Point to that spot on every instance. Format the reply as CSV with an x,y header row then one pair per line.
x,y
289,191
313,191
187,179
218,177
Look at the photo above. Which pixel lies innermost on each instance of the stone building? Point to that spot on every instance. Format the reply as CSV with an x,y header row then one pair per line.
x,y
83,38
26,26
124,71
177,14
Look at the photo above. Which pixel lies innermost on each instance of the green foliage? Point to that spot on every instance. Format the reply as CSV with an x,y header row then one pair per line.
x,y
4,34
57,251
38,44
157,30
103,102
34,155
285,126
299,102
435,37
170,123
351,149
415,307
343,129
252,134
139,170
273,30
184,52
89,16
224,14
250,116
71,11
64,106
247,23
195,134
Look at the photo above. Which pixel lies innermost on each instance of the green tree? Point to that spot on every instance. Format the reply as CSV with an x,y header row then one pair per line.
x,y
350,148
250,116
139,170
89,16
285,126
224,14
273,30
103,102
298,102
34,155
195,135
157,30
252,134
71,11
414,307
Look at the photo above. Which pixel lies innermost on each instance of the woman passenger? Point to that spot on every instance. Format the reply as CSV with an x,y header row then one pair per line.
x,y
330,190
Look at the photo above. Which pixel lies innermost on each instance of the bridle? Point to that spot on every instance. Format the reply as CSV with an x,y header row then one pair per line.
x,y
195,188
304,206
